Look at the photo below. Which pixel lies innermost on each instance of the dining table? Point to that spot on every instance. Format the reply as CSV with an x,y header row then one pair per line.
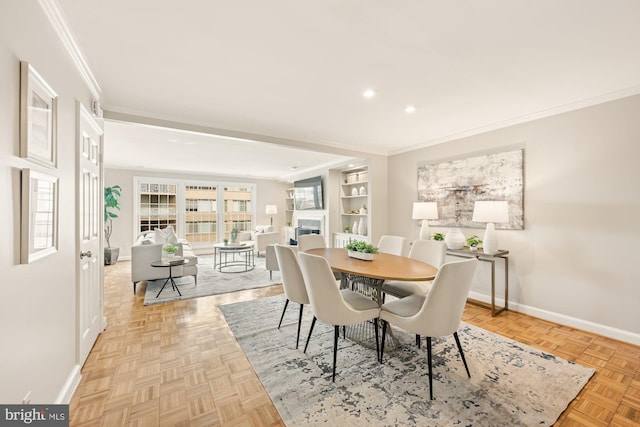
x,y
367,278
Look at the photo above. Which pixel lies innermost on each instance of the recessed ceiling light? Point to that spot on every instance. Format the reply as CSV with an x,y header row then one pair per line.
x,y
369,93
410,109
294,168
351,165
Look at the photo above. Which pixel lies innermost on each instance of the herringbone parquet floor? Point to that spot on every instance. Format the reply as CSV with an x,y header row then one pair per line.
x,y
177,364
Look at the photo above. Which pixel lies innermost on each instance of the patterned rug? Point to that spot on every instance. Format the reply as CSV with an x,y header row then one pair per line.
x,y
211,282
511,384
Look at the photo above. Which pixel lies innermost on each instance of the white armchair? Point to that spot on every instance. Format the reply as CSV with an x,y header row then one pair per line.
x,y
265,236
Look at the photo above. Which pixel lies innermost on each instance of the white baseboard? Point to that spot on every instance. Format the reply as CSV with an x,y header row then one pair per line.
x,y
69,387
585,325
125,258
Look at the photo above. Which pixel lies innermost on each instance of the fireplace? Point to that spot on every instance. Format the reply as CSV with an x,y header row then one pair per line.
x,y
308,226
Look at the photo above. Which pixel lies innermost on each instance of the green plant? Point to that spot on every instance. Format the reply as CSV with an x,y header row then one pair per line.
x,y
170,249
473,241
438,236
361,246
347,228
111,196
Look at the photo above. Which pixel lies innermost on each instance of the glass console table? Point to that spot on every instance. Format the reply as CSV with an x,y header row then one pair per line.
x,y
481,256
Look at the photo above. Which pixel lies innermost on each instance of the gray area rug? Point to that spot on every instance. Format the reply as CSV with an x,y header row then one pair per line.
x,y
211,282
511,384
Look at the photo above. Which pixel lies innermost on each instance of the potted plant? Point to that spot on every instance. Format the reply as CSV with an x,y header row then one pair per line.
x,y
360,249
438,236
473,242
111,196
170,250
226,241
347,228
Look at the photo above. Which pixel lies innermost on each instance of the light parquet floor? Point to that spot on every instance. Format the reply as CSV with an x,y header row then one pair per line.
x,y
177,364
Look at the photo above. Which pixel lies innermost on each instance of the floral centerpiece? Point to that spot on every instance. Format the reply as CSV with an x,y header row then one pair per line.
x,y
361,250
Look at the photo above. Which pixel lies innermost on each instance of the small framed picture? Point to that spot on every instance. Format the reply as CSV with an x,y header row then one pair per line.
x,y
38,118
39,219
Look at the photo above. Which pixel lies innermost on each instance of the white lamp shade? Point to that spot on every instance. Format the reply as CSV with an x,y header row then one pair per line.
x,y
272,209
491,211
425,210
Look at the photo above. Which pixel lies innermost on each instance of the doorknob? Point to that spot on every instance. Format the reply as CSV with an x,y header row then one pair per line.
x,y
85,254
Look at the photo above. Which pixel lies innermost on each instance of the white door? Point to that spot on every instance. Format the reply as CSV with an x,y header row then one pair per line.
x,y
90,221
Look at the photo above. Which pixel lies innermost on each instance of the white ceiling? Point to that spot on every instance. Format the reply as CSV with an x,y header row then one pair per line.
x,y
296,70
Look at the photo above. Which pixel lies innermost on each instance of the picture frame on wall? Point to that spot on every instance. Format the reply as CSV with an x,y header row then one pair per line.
x,y
39,219
38,118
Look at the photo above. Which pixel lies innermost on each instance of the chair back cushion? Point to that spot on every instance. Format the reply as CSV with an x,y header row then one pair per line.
x,y
430,251
292,280
394,245
311,241
442,309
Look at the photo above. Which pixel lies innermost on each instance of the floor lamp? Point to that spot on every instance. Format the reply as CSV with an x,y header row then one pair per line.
x,y
425,211
490,211
272,210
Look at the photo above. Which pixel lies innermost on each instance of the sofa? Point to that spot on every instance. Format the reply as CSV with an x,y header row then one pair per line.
x,y
148,248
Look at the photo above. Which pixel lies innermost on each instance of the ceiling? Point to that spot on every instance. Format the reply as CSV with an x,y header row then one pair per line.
x,y
296,70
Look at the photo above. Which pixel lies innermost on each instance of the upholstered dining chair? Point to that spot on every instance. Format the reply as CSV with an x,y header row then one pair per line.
x,y
436,314
394,245
337,307
292,282
311,241
431,252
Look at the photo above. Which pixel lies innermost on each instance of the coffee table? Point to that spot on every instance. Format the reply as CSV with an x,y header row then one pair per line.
x,y
170,263
224,257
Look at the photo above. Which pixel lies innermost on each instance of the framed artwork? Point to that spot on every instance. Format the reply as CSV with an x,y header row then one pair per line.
x,y
38,118
39,220
456,186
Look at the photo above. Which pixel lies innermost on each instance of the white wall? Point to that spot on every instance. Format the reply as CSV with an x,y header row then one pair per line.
x,y
575,260
38,300
267,192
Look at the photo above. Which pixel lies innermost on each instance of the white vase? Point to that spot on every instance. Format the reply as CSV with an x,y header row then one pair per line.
x,y
354,229
362,191
455,239
354,191
362,227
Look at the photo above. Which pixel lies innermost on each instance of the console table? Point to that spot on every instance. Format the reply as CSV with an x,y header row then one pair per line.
x,y
481,256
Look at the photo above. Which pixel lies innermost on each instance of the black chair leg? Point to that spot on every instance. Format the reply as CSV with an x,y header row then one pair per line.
x,y
313,323
299,325
286,303
384,334
344,332
455,335
418,340
134,287
336,334
375,324
430,368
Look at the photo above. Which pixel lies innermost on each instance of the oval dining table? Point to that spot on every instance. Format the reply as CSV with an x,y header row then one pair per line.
x,y
367,277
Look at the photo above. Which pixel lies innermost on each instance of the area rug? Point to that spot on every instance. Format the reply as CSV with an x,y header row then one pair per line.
x,y
511,384
211,282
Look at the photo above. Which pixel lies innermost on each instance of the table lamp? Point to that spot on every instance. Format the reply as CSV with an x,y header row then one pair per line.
x,y
425,211
490,211
272,210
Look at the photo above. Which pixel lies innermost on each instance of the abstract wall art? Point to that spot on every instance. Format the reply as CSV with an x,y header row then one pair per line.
x,y
456,185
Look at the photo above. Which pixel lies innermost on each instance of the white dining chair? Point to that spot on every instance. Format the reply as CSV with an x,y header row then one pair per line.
x,y
333,306
431,252
436,314
394,245
292,282
311,241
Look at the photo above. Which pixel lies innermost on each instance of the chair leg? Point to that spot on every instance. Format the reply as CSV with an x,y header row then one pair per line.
x,y
375,324
134,287
384,334
286,303
455,335
299,325
313,323
418,340
270,275
344,332
430,368
336,334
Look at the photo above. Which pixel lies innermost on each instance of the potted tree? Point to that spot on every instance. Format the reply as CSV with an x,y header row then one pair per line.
x,y
111,196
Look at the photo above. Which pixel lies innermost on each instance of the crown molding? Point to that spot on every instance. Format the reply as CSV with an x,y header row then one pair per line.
x,y
54,13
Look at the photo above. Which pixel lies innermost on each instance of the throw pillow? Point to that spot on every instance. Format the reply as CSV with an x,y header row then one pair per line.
x,y
166,235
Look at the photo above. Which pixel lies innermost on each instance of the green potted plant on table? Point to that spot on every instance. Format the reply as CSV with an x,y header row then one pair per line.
x,y
347,228
473,242
111,196
438,236
169,250
360,249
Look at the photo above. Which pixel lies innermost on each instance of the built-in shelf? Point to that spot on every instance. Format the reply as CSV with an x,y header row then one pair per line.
x,y
351,181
